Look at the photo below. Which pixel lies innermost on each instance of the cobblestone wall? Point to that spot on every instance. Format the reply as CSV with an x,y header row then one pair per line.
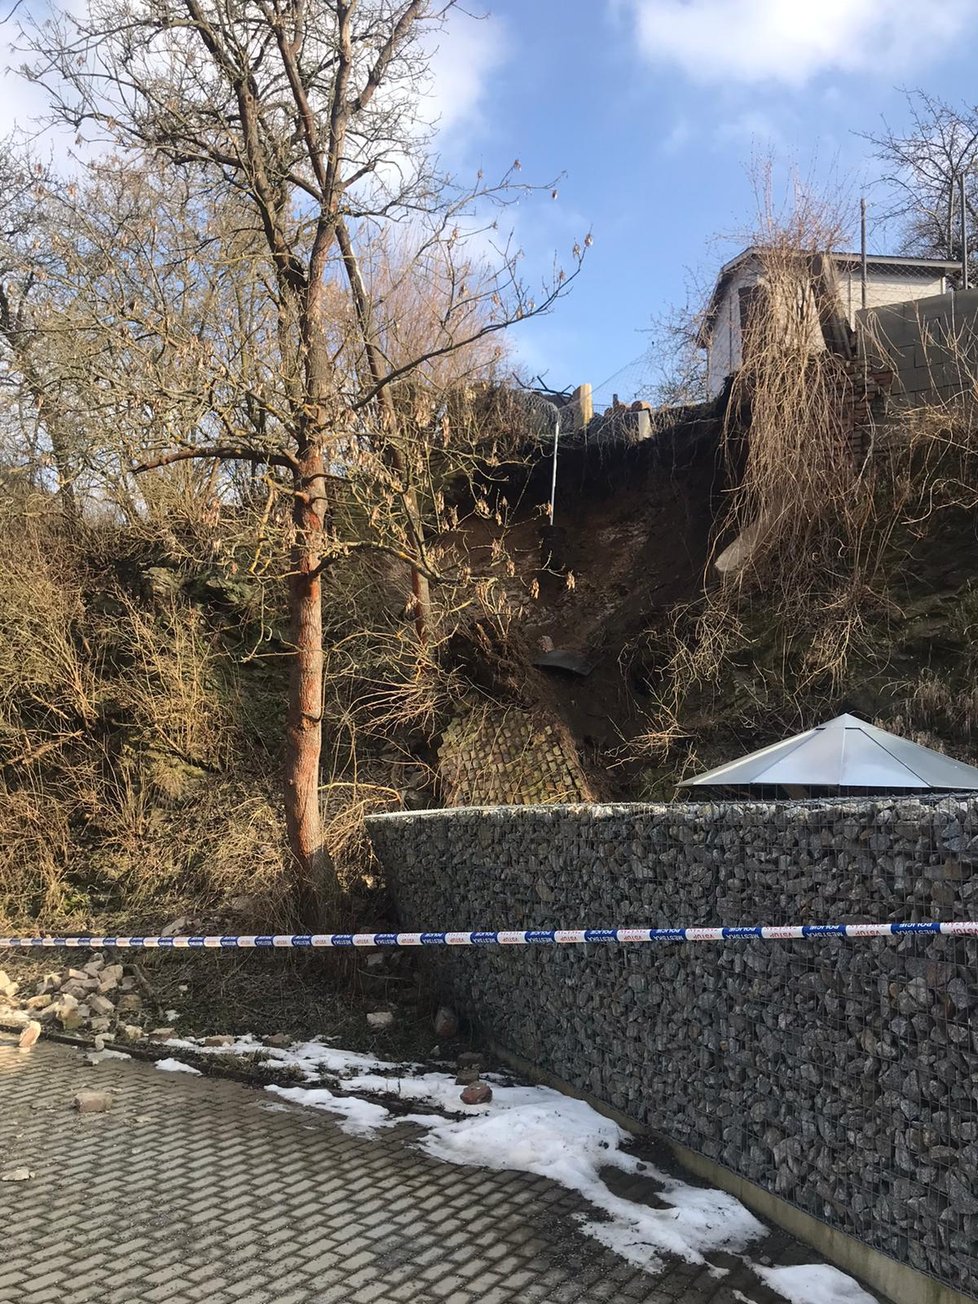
x,y
495,755
841,1075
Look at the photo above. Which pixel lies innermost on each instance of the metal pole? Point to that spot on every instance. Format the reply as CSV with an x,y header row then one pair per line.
x,y
862,247
965,279
553,484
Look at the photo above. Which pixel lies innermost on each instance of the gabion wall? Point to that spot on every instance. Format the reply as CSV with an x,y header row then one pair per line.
x,y
841,1075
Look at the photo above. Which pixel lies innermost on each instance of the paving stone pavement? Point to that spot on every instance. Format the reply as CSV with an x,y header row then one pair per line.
x,y
200,1189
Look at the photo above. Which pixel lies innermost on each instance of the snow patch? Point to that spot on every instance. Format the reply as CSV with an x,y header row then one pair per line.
x,y
814,1283
356,1117
175,1066
311,1058
539,1130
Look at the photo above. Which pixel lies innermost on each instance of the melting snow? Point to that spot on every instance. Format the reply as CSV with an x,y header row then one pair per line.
x,y
529,1129
814,1283
175,1066
359,1117
538,1130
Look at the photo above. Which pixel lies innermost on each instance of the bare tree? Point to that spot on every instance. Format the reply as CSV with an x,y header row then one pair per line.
x,y
45,435
924,166
308,115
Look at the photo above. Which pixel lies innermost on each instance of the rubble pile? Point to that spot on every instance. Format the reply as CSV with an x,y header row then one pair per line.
x,y
110,1001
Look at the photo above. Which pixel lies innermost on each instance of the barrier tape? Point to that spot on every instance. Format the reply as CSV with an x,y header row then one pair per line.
x,y
524,937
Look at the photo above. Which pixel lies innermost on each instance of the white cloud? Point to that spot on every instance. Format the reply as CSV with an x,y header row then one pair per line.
x,y
467,53
464,58
792,41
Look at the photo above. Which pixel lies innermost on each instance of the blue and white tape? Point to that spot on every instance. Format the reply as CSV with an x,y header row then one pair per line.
x,y
498,937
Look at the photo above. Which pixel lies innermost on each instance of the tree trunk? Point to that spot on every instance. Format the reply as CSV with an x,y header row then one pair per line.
x,y
317,888
420,593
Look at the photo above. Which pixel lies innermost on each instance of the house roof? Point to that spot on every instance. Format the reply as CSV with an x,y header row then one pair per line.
x,y
843,753
883,262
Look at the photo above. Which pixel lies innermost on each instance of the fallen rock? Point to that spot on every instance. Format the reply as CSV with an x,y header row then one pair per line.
x,y
466,1077
71,1020
379,1019
40,1002
110,978
73,975
16,1175
99,1044
479,1093
94,966
130,1032
49,983
446,1023
176,926
131,1003
161,1034
101,1023
92,1102
29,1036
278,1040
100,1004
7,985
470,1059
222,1040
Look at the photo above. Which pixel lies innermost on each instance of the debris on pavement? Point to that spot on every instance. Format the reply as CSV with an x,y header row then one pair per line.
x,y
29,1036
92,1102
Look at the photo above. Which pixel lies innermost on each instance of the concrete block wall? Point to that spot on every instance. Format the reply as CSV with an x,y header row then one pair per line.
x,y
841,1076
931,345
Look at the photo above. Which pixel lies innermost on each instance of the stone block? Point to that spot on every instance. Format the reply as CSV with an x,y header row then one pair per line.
x,y
92,1102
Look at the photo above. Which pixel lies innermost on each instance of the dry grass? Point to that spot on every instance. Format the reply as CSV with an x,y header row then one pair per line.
x,y
140,721
807,555
129,788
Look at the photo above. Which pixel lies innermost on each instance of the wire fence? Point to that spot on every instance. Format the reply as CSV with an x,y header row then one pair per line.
x,y
842,1076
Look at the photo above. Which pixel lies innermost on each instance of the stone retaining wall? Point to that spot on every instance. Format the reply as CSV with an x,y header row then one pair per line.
x,y
842,1076
497,754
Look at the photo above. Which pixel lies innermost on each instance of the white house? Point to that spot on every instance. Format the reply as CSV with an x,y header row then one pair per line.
x,y
889,280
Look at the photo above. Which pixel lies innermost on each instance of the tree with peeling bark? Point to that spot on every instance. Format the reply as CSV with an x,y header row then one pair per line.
x,y
310,117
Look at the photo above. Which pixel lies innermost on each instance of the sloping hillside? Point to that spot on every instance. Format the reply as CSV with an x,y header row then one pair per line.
x,y
637,528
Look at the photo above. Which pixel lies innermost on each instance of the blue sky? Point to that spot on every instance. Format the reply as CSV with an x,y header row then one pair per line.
x,y
654,109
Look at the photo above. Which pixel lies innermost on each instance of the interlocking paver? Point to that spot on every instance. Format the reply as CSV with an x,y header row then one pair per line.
x,y
191,1190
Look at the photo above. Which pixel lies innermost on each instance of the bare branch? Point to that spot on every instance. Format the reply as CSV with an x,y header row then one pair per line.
x,y
221,453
